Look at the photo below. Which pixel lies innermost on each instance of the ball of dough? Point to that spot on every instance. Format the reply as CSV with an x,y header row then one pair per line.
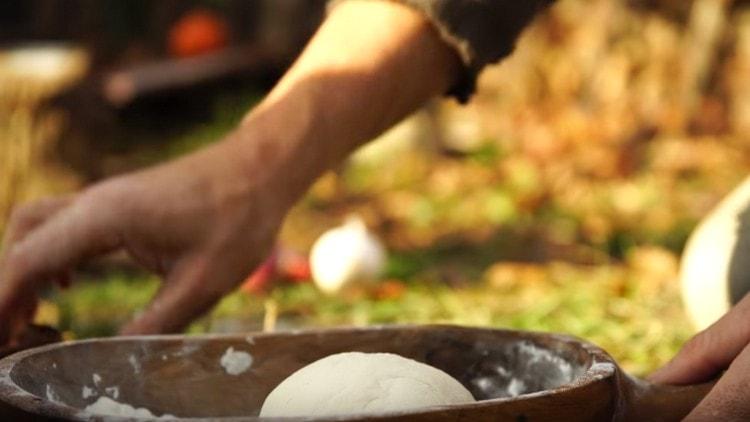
x,y
356,383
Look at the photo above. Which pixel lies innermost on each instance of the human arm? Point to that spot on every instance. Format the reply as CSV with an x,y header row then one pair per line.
x,y
204,221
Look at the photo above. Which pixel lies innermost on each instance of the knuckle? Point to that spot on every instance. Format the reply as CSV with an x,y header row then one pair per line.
x,y
93,203
695,345
16,263
104,192
697,350
103,202
90,197
31,210
19,215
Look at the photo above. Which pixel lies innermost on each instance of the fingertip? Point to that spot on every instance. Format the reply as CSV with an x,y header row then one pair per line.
x,y
155,319
129,329
682,370
138,326
661,376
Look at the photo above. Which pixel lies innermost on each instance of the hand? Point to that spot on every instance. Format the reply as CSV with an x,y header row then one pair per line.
x,y
723,346
205,221
202,222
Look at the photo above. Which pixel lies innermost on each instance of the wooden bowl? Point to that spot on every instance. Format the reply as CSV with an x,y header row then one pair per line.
x,y
558,378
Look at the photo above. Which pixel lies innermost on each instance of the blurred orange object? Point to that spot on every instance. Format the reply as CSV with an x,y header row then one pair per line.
x,y
261,280
390,289
283,265
197,32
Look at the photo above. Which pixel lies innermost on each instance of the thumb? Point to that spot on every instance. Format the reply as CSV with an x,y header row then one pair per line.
x,y
711,351
188,292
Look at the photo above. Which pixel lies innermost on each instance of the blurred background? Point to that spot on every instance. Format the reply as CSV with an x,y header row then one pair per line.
x,y
560,199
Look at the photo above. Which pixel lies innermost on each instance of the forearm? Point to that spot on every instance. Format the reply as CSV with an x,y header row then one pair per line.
x,y
369,65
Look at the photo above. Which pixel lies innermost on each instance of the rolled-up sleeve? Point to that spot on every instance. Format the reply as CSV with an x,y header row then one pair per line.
x,y
481,31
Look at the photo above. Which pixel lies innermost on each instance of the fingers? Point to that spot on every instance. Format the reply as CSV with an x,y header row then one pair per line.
x,y
23,220
27,217
727,401
190,290
54,245
711,351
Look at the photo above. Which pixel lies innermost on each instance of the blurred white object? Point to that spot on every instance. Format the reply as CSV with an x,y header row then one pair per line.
x,y
345,256
715,268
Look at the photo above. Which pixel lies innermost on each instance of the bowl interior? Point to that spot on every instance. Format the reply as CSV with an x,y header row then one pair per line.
x,y
183,376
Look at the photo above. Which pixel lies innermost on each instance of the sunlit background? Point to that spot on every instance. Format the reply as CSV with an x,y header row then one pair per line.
x,y
559,199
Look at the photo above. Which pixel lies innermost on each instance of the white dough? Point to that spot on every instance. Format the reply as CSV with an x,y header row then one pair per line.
x,y
356,383
235,363
108,407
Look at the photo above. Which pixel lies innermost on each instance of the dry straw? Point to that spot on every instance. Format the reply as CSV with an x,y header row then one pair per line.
x,y
30,75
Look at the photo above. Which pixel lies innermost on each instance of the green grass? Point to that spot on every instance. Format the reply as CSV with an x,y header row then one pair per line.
x,y
629,314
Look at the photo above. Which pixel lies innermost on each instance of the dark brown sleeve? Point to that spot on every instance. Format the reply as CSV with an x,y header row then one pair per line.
x,y
481,31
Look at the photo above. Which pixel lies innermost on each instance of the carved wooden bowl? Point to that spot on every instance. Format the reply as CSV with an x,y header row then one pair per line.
x,y
557,378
